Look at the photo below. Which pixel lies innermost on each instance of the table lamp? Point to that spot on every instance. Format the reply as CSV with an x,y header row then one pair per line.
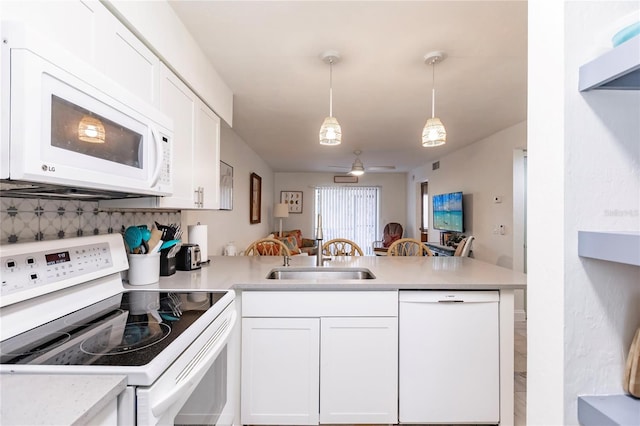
x,y
281,210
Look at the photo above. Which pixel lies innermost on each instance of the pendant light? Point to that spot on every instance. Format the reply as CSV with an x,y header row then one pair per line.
x,y
357,168
91,130
433,133
330,131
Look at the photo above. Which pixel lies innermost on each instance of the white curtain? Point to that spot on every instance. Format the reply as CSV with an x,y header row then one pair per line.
x,y
349,212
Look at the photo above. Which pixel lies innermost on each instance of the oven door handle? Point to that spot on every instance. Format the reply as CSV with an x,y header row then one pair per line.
x,y
203,359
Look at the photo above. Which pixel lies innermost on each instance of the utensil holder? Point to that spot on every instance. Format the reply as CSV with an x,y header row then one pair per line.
x,y
144,268
167,264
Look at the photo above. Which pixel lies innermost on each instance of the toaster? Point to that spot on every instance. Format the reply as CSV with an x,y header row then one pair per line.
x,y
188,258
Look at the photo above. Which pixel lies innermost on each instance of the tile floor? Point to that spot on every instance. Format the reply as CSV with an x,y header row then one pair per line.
x,y
520,374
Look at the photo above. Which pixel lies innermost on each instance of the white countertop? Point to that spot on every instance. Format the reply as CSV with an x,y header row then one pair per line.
x,y
55,399
74,399
392,273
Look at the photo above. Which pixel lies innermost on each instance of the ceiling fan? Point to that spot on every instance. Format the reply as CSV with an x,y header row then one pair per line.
x,y
357,168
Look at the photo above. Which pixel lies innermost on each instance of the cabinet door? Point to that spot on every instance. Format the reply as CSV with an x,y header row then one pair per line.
x,y
206,165
280,378
359,370
72,24
124,58
179,103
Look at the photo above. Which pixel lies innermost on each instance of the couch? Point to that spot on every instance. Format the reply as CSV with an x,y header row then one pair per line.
x,y
296,243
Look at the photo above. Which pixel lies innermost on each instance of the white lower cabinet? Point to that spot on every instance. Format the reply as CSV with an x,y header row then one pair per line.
x,y
319,357
358,370
280,379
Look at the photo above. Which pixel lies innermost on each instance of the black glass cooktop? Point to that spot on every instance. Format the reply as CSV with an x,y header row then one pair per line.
x,y
129,329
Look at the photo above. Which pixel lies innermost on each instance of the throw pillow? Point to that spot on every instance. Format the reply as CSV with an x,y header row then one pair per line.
x,y
291,243
296,233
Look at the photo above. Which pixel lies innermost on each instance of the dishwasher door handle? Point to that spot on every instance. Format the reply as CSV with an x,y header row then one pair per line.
x,y
451,301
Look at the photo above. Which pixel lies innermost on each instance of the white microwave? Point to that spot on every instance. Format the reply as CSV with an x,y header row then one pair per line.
x,y
68,130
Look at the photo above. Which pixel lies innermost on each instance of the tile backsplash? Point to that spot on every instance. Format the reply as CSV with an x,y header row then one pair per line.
x,y
25,219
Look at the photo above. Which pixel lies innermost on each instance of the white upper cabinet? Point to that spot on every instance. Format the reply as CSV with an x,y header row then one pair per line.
x,y
196,151
73,26
206,158
179,103
196,146
88,30
124,58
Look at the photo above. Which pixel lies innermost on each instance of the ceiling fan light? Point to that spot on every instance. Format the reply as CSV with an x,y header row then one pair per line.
x,y
434,133
357,169
330,132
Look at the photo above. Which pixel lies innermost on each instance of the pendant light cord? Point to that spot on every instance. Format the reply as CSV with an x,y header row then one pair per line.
x,y
331,88
433,90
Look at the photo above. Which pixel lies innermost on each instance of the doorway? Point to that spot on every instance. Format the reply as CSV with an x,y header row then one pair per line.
x,y
424,212
520,226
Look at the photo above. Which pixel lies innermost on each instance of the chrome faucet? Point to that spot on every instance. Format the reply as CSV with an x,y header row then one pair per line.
x,y
285,260
320,259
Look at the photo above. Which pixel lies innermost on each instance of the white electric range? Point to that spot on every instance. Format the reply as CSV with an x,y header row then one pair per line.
x,y
64,310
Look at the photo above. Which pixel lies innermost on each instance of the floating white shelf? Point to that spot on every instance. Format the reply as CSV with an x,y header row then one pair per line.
x,y
622,247
598,410
617,69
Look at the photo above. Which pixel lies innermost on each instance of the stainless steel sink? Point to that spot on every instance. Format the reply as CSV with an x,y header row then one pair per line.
x,y
320,273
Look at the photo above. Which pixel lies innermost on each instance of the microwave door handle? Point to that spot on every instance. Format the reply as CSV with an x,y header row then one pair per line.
x,y
189,382
159,157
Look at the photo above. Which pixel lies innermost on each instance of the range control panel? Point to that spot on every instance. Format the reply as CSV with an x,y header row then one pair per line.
x,y
21,271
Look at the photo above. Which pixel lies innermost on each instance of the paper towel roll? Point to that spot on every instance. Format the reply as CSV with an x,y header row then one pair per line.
x,y
198,235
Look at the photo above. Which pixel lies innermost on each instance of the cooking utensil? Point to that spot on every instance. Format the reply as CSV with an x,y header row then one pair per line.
x,y
154,240
168,244
146,234
133,237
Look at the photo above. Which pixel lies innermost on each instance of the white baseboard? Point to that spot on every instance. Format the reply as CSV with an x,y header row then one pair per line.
x,y
519,315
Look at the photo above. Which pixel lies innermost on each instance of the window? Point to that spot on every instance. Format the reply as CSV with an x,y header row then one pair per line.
x,y
349,212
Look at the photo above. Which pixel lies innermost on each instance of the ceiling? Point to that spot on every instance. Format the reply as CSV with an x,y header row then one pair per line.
x,y
268,53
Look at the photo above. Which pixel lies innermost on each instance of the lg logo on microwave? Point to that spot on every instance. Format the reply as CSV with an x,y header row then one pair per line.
x,y
46,168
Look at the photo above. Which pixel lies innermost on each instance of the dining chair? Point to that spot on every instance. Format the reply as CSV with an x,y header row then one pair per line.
x,y
464,247
267,247
341,247
408,247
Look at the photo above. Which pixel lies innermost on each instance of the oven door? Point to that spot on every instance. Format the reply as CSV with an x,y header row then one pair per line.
x,y
198,387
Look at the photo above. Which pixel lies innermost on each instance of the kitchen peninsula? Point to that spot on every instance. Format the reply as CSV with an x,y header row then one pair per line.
x,y
333,319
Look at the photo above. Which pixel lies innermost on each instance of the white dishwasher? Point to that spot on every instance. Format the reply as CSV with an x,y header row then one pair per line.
x,y
449,357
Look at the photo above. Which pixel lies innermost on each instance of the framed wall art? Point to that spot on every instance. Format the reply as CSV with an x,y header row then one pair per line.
x,y
226,186
293,200
255,200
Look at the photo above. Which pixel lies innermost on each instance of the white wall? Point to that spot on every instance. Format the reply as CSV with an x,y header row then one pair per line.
x,y
393,193
602,176
481,171
584,167
233,225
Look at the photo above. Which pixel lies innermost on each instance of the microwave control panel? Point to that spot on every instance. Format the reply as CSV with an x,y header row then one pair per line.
x,y
30,270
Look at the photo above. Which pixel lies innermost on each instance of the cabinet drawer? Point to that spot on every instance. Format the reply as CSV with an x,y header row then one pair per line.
x,y
319,303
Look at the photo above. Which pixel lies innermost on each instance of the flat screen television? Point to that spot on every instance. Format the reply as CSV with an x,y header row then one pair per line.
x,y
447,212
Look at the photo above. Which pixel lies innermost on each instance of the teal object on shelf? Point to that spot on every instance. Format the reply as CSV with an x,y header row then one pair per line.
x,y
626,33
